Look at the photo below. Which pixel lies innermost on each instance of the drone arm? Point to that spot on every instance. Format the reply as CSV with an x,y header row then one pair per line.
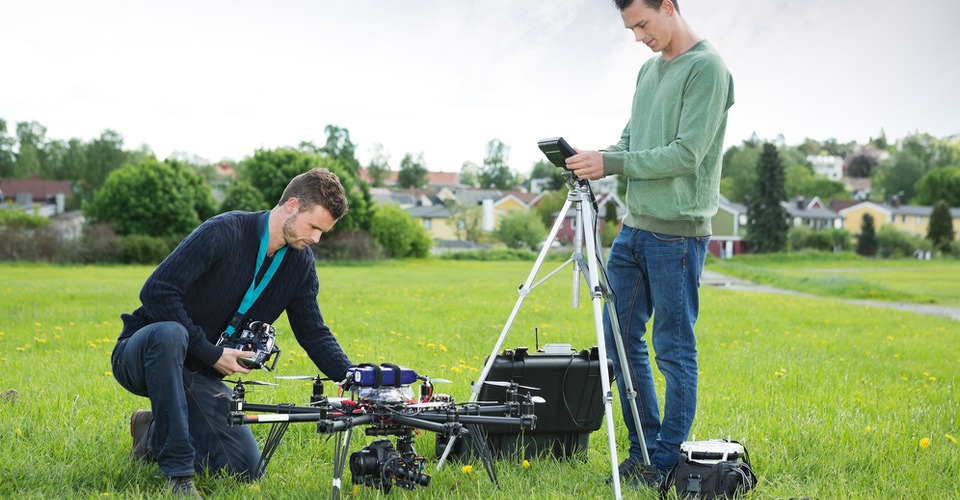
x,y
342,424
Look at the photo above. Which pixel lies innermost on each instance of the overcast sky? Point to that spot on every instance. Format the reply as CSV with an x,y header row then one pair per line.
x,y
220,79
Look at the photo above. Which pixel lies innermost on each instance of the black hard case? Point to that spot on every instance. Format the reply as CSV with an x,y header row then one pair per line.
x,y
570,384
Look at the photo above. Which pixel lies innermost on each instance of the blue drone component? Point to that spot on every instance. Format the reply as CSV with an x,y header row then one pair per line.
x,y
366,375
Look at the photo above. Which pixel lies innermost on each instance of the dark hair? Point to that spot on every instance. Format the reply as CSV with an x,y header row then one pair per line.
x,y
318,186
653,4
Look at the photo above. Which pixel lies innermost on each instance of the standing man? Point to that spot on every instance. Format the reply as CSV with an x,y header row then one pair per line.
x,y
670,156
234,268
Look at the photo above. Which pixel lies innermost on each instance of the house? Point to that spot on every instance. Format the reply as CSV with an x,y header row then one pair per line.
x,y
729,228
827,166
35,195
568,229
435,180
812,214
911,219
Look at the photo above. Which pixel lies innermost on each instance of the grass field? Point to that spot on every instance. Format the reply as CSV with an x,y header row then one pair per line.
x,y
832,400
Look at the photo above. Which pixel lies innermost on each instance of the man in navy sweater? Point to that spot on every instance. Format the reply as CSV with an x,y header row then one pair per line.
x,y
168,348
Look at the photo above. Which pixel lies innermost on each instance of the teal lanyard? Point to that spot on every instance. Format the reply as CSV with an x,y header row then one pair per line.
x,y
256,288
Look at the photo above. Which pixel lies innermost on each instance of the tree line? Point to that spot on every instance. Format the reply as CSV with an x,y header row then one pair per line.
x,y
135,194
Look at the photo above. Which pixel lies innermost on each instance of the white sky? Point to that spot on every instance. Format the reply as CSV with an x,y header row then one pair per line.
x,y
220,79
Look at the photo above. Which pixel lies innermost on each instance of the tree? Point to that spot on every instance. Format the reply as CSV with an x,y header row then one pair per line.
x,y
941,231
495,173
101,156
897,178
867,239
521,229
269,171
739,173
150,198
340,147
7,158
379,167
939,184
862,163
470,174
543,169
399,233
413,174
243,196
766,219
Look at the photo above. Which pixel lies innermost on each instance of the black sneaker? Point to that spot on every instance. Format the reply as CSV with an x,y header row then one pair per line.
x,y
648,476
182,487
139,428
628,469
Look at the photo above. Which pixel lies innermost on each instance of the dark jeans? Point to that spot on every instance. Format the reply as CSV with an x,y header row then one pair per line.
x,y
657,276
189,431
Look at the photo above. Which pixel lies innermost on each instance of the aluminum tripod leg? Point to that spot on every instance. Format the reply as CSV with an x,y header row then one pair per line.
x,y
523,291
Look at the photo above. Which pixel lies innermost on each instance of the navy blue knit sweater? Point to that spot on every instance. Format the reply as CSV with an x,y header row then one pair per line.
x,y
202,282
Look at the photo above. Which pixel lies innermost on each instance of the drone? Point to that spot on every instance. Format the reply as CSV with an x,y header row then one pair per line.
x,y
380,399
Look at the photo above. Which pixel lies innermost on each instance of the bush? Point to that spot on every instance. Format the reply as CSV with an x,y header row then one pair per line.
x,y
399,234
828,240
894,243
139,249
521,229
348,245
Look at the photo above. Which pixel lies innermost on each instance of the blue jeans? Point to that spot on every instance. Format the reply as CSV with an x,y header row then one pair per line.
x,y
189,431
655,273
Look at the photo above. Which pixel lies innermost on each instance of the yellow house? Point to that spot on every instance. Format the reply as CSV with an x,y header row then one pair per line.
x,y
909,219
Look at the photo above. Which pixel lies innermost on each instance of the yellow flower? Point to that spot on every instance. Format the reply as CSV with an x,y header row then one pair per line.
x,y
18,432
526,464
951,438
925,442
466,469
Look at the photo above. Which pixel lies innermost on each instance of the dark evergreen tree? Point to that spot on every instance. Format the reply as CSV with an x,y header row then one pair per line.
x,y
767,220
941,226
867,240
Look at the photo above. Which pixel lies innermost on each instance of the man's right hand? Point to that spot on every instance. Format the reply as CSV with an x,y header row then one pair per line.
x,y
228,364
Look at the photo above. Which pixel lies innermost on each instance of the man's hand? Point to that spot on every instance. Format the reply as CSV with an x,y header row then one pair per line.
x,y
586,165
228,364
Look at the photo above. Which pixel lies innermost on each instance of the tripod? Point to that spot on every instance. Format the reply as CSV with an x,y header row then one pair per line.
x,y
592,267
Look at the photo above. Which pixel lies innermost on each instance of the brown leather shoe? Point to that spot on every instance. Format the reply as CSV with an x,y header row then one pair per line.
x,y
139,428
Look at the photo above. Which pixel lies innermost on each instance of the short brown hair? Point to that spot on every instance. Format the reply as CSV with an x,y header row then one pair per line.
x,y
317,186
653,4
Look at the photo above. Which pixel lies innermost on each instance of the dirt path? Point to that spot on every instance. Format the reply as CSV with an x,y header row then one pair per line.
x,y
725,282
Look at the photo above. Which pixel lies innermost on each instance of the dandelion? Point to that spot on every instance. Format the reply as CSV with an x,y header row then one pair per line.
x,y
431,345
18,432
466,469
868,429
108,373
951,438
526,464
925,442
933,379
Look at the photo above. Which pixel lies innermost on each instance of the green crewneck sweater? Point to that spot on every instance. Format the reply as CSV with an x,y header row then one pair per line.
x,y
671,149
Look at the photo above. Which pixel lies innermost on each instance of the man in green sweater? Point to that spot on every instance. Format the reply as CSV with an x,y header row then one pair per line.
x,y
669,154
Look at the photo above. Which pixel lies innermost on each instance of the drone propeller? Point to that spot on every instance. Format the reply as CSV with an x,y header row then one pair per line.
x,y
536,399
249,382
503,383
436,380
302,377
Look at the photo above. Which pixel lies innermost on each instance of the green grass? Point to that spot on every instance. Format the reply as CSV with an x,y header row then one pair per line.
x,y
852,277
832,400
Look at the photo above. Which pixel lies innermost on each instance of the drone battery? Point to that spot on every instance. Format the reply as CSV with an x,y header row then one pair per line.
x,y
568,381
365,375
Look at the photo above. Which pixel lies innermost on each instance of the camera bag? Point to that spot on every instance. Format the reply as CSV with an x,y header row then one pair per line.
x,y
711,469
